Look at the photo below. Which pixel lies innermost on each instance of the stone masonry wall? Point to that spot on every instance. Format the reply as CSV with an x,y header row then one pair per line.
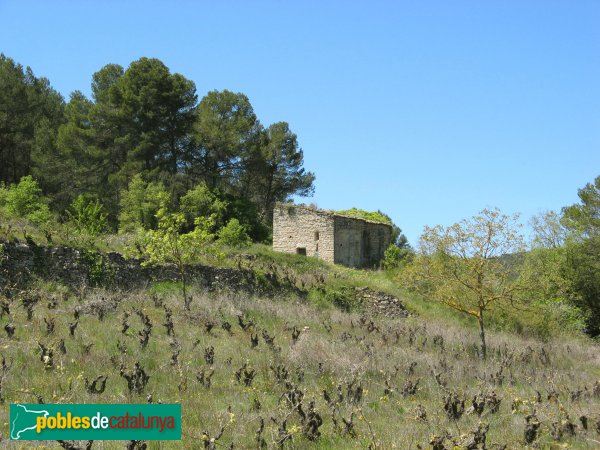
x,y
298,227
360,243
19,263
348,235
379,237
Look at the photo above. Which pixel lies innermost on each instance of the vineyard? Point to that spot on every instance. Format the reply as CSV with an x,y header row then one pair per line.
x,y
254,372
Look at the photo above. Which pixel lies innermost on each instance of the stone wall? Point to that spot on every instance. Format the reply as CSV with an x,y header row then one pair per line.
x,y
19,263
297,227
360,243
348,235
380,303
378,239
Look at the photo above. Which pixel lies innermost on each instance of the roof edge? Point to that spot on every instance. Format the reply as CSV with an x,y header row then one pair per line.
x,y
329,212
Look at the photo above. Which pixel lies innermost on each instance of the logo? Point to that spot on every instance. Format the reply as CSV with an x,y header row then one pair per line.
x,y
95,422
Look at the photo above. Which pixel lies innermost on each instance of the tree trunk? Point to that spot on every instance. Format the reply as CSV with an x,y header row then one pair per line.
x,y
186,303
482,335
267,204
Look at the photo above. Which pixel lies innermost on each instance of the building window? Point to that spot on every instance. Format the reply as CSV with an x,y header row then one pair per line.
x,y
301,251
316,235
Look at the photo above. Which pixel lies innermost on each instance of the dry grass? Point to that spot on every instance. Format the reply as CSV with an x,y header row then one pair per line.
x,y
393,377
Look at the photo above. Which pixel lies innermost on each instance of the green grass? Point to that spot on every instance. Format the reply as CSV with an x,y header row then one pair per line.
x,y
162,288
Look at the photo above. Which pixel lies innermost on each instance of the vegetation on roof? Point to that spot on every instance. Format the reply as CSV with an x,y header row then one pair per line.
x,y
374,216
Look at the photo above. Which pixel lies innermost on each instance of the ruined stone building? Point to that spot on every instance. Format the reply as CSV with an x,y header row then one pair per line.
x,y
329,236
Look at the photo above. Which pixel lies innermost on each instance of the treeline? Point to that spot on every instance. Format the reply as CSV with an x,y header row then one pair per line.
x,y
564,264
144,138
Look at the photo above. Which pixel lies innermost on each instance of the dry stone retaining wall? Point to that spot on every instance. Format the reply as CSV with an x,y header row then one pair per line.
x,y
77,268
20,262
380,303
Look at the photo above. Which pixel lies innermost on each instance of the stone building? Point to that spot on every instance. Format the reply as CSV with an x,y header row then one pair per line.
x,y
329,236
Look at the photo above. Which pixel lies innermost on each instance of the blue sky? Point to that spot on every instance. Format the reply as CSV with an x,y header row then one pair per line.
x,y
426,110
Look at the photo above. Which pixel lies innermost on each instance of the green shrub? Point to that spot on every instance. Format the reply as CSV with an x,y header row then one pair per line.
x,y
88,216
375,216
234,234
140,203
540,319
261,281
342,298
318,299
3,195
395,257
247,213
99,272
202,202
25,200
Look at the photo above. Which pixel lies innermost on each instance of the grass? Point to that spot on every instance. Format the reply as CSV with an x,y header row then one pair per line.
x,y
334,350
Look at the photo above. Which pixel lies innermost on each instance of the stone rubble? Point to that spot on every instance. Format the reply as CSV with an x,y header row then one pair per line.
x,y
380,303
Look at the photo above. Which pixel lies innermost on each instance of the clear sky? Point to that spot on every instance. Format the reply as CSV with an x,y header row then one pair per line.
x,y
426,110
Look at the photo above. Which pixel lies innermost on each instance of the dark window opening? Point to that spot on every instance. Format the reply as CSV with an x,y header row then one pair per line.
x,y
301,251
316,235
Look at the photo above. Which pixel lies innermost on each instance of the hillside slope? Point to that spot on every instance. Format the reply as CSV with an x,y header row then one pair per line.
x,y
286,369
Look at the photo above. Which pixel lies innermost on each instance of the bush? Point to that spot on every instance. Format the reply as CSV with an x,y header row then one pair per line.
x,y
540,319
140,203
202,202
395,257
88,216
25,200
316,297
234,234
247,213
3,195
343,298
98,271
582,269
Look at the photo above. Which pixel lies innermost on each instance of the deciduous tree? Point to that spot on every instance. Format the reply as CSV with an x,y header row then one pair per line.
x,y
462,265
233,234
140,204
201,201
167,244
584,217
582,265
